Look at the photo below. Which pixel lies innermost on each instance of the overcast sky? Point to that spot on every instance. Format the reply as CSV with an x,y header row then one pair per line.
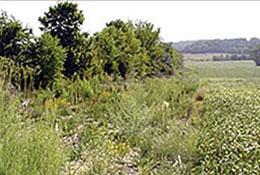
x,y
177,20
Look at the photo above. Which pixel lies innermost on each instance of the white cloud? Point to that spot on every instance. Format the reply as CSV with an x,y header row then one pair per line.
x,y
177,20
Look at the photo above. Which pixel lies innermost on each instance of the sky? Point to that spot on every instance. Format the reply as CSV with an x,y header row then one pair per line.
x,y
178,20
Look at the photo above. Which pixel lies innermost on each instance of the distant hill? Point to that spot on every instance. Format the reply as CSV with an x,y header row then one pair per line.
x,y
231,46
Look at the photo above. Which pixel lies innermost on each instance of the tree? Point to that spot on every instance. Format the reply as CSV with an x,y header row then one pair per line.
x,y
46,56
13,36
63,21
255,54
161,58
115,49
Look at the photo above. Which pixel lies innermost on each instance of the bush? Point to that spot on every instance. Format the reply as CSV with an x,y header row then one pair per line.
x,y
149,117
37,66
47,58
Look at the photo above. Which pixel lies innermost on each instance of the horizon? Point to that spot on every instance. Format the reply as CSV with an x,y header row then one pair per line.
x,y
209,20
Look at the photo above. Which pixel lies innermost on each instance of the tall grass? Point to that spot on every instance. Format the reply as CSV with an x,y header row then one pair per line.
x,y
26,147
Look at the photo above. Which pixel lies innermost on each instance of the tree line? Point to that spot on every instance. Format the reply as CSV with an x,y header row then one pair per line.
x,y
233,49
231,46
121,50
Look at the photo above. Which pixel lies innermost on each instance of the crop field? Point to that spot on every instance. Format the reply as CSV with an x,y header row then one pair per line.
x,y
229,139
225,69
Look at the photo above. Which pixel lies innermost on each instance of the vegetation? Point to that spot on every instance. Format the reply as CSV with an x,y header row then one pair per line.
x,y
255,55
120,102
27,147
13,36
227,69
120,50
232,46
232,146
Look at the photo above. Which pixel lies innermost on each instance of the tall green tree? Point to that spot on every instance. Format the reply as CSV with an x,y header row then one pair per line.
x,y
116,48
63,21
13,36
160,58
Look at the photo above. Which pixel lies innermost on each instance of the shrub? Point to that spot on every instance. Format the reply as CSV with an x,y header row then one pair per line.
x,y
47,57
160,58
37,66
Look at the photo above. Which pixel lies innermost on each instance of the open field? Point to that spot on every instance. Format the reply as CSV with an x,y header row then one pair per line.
x,y
225,69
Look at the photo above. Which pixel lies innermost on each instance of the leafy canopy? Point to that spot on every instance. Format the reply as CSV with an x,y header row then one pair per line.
x,y
63,21
13,36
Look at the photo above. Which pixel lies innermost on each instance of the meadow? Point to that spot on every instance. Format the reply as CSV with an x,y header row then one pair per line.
x,y
185,124
225,69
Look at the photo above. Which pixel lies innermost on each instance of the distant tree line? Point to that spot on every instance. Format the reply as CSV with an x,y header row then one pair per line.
x,y
232,46
232,57
230,49
120,50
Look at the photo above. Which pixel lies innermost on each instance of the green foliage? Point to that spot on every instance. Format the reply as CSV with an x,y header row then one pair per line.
x,y
256,55
225,69
26,147
37,66
47,57
115,49
120,50
63,21
160,58
150,45
15,75
148,117
30,151
13,36
229,142
124,49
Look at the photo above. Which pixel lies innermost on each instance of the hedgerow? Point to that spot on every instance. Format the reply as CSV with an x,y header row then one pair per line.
x,y
121,50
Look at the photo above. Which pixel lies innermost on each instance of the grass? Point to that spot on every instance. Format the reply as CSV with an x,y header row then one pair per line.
x,y
26,147
225,69
179,125
101,128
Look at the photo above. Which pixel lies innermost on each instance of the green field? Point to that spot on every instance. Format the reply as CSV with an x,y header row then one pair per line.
x,y
225,69
229,139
